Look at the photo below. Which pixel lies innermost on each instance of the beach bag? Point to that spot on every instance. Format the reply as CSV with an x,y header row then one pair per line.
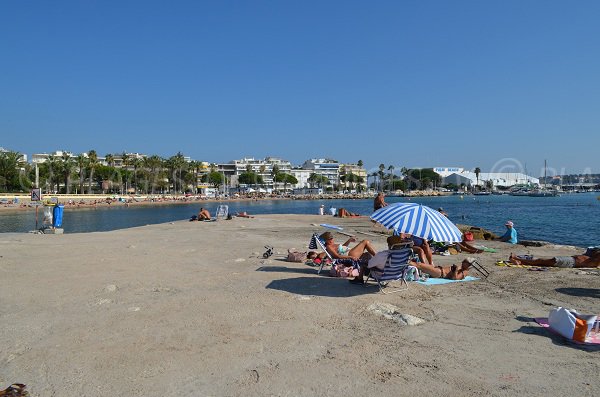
x,y
469,236
295,256
343,271
571,324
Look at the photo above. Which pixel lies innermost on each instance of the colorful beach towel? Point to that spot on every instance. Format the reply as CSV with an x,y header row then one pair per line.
x,y
532,268
331,226
592,339
439,281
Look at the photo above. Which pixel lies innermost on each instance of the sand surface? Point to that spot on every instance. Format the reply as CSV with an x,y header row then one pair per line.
x,y
192,309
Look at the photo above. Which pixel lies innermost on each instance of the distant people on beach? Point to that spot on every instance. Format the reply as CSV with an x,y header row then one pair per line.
x,y
322,209
589,259
379,201
243,214
203,215
510,236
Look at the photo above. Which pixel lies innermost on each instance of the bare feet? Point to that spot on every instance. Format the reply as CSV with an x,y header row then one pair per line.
x,y
513,259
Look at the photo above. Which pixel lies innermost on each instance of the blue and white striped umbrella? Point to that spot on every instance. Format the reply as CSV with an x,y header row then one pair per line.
x,y
418,220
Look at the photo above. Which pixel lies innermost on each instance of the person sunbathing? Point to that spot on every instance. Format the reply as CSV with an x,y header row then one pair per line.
x,y
243,214
448,272
343,251
344,213
592,259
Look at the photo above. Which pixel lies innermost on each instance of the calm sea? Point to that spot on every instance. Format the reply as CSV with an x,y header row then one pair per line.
x,y
572,219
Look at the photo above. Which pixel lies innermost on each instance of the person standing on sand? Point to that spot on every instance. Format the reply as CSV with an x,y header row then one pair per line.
x,y
379,201
592,259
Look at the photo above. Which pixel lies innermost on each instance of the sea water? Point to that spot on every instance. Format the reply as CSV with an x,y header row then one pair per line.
x,y
571,219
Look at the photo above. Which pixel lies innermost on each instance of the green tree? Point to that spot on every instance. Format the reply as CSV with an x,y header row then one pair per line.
x,y
477,172
92,164
154,166
11,164
249,178
67,167
391,169
81,161
215,178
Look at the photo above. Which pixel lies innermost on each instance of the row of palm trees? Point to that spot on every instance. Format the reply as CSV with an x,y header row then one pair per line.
x,y
150,174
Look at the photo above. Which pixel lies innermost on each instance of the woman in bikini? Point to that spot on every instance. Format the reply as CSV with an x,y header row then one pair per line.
x,y
343,251
449,272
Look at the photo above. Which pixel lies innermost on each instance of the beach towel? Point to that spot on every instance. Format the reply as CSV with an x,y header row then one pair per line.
x,y
532,268
331,226
439,281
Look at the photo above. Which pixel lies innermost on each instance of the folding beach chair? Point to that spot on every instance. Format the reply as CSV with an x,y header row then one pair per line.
x,y
222,212
317,243
396,269
480,269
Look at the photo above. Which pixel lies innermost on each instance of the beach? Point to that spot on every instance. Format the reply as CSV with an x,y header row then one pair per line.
x,y
193,309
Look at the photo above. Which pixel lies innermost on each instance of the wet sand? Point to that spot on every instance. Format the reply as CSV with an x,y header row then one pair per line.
x,y
192,309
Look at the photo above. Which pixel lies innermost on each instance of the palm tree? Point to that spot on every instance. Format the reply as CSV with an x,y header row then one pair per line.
x,y
125,164
381,168
477,172
137,163
81,161
110,160
11,164
68,163
92,164
274,172
391,170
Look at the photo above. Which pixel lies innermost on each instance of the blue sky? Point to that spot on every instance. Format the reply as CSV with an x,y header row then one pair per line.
x,y
496,85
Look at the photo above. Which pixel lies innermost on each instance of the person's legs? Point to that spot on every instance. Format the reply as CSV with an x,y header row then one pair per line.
x,y
361,247
433,271
420,254
427,251
469,248
551,262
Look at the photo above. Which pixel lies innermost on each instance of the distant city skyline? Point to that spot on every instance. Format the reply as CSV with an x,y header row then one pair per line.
x,y
497,86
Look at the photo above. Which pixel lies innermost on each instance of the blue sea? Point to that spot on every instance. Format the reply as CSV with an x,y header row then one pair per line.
x,y
572,219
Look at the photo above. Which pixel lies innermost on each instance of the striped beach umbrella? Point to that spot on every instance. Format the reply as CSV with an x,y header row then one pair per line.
x,y
418,220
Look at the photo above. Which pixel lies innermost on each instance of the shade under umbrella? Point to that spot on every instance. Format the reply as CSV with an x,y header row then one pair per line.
x,y
418,220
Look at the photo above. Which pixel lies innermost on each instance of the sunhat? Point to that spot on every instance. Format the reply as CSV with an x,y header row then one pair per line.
x,y
508,223
326,236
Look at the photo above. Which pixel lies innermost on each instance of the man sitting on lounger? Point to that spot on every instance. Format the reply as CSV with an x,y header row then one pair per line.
x,y
592,259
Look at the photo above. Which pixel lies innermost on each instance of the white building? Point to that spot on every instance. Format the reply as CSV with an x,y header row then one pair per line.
x,y
302,176
458,176
328,168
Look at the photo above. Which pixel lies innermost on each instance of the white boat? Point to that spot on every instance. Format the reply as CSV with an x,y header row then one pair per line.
x,y
543,193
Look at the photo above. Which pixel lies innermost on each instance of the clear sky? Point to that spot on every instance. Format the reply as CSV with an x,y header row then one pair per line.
x,y
489,84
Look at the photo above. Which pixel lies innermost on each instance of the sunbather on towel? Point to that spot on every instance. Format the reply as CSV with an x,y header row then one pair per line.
x,y
449,272
592,259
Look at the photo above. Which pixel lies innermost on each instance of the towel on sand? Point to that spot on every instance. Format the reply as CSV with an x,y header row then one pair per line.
x,y
438,281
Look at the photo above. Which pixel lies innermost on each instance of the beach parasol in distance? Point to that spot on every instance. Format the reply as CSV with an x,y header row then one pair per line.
x,y
418,220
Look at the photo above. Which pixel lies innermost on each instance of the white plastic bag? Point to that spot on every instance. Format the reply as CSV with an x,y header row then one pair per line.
x,y
571,324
